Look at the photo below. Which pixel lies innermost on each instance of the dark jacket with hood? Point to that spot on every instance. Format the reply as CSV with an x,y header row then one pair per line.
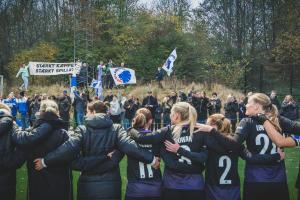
x,y
10,158
100,175
54,181
290,110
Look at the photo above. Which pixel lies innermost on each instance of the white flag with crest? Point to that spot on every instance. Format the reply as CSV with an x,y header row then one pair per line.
x,y
168,66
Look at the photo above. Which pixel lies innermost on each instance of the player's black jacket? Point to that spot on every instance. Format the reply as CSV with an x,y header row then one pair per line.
x,y
222,165
10,158
191,148
100,178
258,142
53,182
137,170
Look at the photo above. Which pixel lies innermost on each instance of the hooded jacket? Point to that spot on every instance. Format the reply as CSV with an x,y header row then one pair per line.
x,y
10,158
100,176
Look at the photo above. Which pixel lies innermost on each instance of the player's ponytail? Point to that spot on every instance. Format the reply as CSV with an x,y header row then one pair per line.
x,y
188,116
269,109
142,117
222,124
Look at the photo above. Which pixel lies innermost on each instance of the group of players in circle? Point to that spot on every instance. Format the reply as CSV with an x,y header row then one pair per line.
x,y
186,147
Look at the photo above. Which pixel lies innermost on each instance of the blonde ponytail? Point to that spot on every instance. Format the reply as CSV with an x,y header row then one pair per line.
x,y
188,116
269,109
272,115
223,124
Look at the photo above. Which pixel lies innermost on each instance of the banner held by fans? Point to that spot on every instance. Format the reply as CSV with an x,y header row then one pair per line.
x,y
46,69
168,66
123,76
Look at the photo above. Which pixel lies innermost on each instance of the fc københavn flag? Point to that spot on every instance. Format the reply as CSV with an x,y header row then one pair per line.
x,y
123,76
168,66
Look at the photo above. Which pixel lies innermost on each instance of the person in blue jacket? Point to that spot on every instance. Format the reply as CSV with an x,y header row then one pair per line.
x,y
23,109
25,76
11,102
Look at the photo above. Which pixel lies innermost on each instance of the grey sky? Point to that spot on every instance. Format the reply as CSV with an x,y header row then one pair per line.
x,y
195,3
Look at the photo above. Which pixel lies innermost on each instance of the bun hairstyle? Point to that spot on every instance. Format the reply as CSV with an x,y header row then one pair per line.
x,y
49,106
141,118
188,116
139,121
223,124
146,112
97,107
269,109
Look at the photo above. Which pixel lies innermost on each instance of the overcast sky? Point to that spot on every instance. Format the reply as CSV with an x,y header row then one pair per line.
x,y
195,3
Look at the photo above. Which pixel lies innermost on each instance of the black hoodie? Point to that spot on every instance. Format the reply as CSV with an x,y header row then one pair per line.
x,y
95,140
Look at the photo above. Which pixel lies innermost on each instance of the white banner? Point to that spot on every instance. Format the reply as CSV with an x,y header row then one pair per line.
x,y
44,68
123,76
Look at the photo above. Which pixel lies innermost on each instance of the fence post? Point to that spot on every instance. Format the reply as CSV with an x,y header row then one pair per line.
x,y
291,78
1,85
261,78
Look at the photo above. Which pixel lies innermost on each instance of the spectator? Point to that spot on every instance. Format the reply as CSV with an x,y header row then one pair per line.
x,y
11,102
150,102
25,76
122,65
242,108
130,107
157,117
83,76
79,107
44,96
274,99
202,107
64,106
190,96
115,110
109,79
231,109
23,109
215,104
159,76
173,98
34,109
29,113
109,97
100,70
182,97
166,109
122,99
289,108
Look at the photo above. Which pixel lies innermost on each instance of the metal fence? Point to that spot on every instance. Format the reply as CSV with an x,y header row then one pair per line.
x,y
282,78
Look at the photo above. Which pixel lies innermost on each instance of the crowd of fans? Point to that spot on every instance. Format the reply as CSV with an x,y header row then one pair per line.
x,y
122,107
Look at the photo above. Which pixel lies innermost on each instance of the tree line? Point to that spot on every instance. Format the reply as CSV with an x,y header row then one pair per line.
x,y
216,41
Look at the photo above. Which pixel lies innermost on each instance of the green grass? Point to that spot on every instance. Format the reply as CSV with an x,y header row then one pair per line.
x,y
292,163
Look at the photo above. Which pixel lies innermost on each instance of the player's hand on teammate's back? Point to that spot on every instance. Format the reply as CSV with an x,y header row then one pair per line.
x,y
172,147
203,128
156,165
281,153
